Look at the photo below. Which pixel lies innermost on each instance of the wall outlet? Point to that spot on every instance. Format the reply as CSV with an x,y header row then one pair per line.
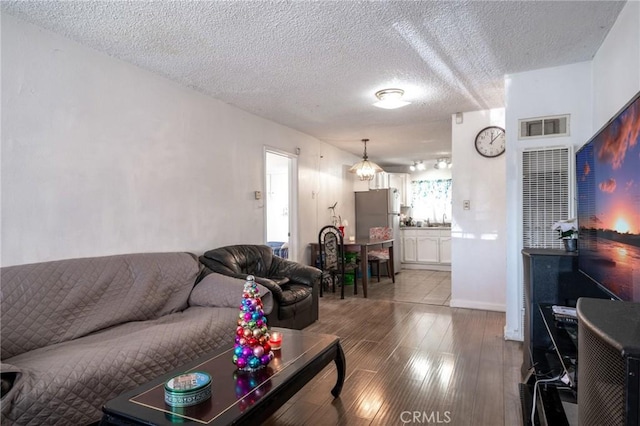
x,y
466,204
258,195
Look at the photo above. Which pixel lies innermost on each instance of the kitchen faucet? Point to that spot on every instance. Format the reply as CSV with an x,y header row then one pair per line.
x,y
444,218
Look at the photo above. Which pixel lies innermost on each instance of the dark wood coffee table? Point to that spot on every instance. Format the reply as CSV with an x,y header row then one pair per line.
x,y
237,397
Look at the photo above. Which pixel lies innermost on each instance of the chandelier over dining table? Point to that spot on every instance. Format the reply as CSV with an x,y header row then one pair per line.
x,y
365,169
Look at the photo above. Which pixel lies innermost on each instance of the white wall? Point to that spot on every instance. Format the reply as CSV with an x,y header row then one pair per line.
x,y
591,92
478,235
549,91
616,66
101,157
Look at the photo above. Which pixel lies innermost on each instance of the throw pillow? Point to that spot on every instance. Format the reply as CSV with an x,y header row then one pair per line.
x,y
217,290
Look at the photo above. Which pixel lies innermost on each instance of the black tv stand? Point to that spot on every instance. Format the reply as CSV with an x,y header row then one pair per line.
x,y
556,401
551,277
564,340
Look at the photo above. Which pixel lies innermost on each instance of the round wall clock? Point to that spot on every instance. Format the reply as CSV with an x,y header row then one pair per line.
x,y
490,141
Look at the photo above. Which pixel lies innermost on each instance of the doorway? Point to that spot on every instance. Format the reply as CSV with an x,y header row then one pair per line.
x,y
280,202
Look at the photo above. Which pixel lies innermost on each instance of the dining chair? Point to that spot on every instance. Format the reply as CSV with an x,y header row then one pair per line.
x,y
332,258
379,257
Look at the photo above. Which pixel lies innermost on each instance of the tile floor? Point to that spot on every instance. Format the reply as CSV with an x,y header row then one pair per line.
x,y
411,286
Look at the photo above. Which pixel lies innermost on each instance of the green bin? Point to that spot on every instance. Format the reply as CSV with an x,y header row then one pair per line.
x,y
349,277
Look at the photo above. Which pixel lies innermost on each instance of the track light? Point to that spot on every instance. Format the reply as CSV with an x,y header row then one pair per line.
x,y
443,163
417,165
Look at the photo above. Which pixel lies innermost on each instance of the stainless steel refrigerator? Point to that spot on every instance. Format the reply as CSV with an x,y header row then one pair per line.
x,y
379,207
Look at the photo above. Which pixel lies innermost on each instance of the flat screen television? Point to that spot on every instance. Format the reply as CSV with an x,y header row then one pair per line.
x,y
608,198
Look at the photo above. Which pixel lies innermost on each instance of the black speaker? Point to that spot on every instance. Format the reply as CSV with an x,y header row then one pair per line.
x,y
608,362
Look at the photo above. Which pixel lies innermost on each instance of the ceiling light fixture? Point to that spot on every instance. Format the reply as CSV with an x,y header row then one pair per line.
x,y
390,99
417,165
443,163
365,169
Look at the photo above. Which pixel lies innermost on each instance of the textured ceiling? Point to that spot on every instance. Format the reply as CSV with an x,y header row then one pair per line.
x,y
315,66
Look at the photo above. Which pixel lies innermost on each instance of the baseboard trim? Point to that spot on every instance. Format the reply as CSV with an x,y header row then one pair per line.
x,y
420,266
472,304
513,335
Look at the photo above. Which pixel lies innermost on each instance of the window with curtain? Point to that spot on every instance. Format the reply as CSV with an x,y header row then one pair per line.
x,y
431,200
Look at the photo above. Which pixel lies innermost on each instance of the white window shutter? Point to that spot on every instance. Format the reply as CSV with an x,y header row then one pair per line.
x,y
545,195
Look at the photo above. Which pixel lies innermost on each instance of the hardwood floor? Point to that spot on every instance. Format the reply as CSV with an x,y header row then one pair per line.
x,y
411,359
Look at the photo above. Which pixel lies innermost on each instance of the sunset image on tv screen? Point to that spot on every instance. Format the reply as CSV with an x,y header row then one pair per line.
x,y
608,183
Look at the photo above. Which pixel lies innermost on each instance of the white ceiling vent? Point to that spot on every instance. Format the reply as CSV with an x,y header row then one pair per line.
x,y
557,125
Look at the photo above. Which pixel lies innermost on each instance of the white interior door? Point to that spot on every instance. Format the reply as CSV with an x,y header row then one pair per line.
x,y
280,199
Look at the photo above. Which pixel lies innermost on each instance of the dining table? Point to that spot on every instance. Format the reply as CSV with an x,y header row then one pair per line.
x,y
364,245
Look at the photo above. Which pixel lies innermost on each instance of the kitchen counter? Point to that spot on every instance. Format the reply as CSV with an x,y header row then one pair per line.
x,y
426,247
425,227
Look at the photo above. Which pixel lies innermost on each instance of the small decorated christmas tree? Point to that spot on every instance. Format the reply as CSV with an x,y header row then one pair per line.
x,y
252,350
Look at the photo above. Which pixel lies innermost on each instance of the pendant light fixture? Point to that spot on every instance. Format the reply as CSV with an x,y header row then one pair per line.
x,y
365,169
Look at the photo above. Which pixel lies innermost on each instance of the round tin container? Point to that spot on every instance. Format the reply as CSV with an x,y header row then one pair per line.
x,y
187,389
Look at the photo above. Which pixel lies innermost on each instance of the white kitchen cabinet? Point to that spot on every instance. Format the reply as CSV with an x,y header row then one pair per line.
x,y
380,181
409,249
383,180
445,249
426,248
402,182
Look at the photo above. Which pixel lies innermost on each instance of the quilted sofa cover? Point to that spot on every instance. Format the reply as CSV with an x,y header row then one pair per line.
x,y
78,332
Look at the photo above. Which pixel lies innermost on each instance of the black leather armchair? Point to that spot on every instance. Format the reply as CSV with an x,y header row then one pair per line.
x,y
294,286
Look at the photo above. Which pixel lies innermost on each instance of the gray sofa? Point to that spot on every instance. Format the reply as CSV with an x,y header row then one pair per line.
x,y
78,332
